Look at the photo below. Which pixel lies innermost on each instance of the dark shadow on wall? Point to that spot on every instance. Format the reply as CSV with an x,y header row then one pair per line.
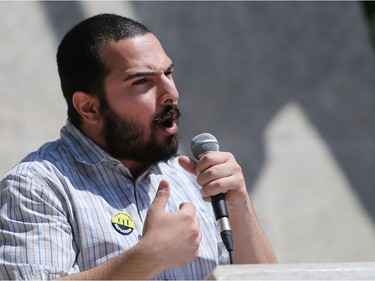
x,y
239,63
369,11
62,16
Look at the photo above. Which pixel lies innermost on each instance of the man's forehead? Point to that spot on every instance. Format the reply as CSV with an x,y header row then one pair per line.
x,y
140,51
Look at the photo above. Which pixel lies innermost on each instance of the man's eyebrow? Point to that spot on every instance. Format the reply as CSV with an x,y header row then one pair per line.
x,y
145,73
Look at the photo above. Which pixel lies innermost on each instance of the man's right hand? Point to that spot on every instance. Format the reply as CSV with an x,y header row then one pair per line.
x,y
174,237
169,240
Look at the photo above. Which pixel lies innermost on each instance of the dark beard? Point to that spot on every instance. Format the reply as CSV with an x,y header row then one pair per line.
x,y
125,138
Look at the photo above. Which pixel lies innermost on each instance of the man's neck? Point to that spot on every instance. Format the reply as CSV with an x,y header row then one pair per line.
x,y
135,168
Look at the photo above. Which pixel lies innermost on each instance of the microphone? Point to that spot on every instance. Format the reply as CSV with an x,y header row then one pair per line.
x,y
200,145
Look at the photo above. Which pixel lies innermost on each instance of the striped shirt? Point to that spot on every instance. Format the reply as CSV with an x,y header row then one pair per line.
x,y
70,206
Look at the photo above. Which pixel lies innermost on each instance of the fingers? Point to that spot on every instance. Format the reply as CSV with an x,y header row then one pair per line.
x,y
214,166
212,159
188,207
214,173
188,218
219,172
222,185
210,166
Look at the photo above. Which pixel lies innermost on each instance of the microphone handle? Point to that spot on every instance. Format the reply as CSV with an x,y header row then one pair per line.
x,y
222,219
219,206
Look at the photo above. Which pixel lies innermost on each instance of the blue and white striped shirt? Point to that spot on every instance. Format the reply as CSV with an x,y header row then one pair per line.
x,y
70,206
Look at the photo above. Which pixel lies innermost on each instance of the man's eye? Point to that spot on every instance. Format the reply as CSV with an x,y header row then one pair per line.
x,y
168,73
140,81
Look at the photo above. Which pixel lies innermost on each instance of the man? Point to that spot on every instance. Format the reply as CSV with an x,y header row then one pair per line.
x,y
110,199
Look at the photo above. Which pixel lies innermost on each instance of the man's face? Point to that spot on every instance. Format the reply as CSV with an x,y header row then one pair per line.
x,y
139,112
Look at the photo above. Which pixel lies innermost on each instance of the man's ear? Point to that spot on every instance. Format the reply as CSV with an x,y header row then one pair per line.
x,y
87,106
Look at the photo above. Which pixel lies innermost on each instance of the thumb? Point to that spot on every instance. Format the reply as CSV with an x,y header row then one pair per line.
x,y
162,195
188,164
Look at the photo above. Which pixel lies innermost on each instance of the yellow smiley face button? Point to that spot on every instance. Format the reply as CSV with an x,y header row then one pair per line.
x,y
123,223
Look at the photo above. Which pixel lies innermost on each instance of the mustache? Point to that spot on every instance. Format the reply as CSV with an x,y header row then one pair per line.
x,y
169,111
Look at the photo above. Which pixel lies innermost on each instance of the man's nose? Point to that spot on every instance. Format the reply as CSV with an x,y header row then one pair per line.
x,y
167,91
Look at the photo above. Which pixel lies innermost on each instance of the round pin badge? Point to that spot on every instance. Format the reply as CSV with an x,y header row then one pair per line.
x,y
123,223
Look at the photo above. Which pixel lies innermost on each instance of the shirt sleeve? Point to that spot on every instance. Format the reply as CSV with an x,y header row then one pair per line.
x,y
36,241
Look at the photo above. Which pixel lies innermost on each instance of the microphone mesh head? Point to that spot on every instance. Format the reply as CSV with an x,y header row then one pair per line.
x,y
203,143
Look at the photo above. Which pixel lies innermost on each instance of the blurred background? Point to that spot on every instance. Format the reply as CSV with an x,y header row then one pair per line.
x,y
287,87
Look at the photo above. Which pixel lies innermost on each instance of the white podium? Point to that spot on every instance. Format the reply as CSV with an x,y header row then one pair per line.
x,y
303,271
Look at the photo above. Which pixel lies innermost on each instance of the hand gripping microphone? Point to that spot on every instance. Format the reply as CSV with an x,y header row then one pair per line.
x,y
200,145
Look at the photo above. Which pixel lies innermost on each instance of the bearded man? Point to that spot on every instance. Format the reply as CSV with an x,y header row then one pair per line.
x,y
111,199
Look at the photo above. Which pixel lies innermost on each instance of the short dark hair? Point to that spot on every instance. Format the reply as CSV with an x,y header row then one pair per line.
x,y
78,59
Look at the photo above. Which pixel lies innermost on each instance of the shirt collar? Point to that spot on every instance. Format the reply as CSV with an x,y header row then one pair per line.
x,y
83,149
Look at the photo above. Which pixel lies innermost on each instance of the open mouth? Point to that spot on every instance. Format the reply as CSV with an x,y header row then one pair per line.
x,y
168,117
167,120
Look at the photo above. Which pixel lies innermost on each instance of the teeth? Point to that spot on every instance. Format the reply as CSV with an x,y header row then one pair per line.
x,y
170,116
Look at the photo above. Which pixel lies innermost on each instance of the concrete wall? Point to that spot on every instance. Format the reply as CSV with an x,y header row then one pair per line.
x,y
299,271
288,87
